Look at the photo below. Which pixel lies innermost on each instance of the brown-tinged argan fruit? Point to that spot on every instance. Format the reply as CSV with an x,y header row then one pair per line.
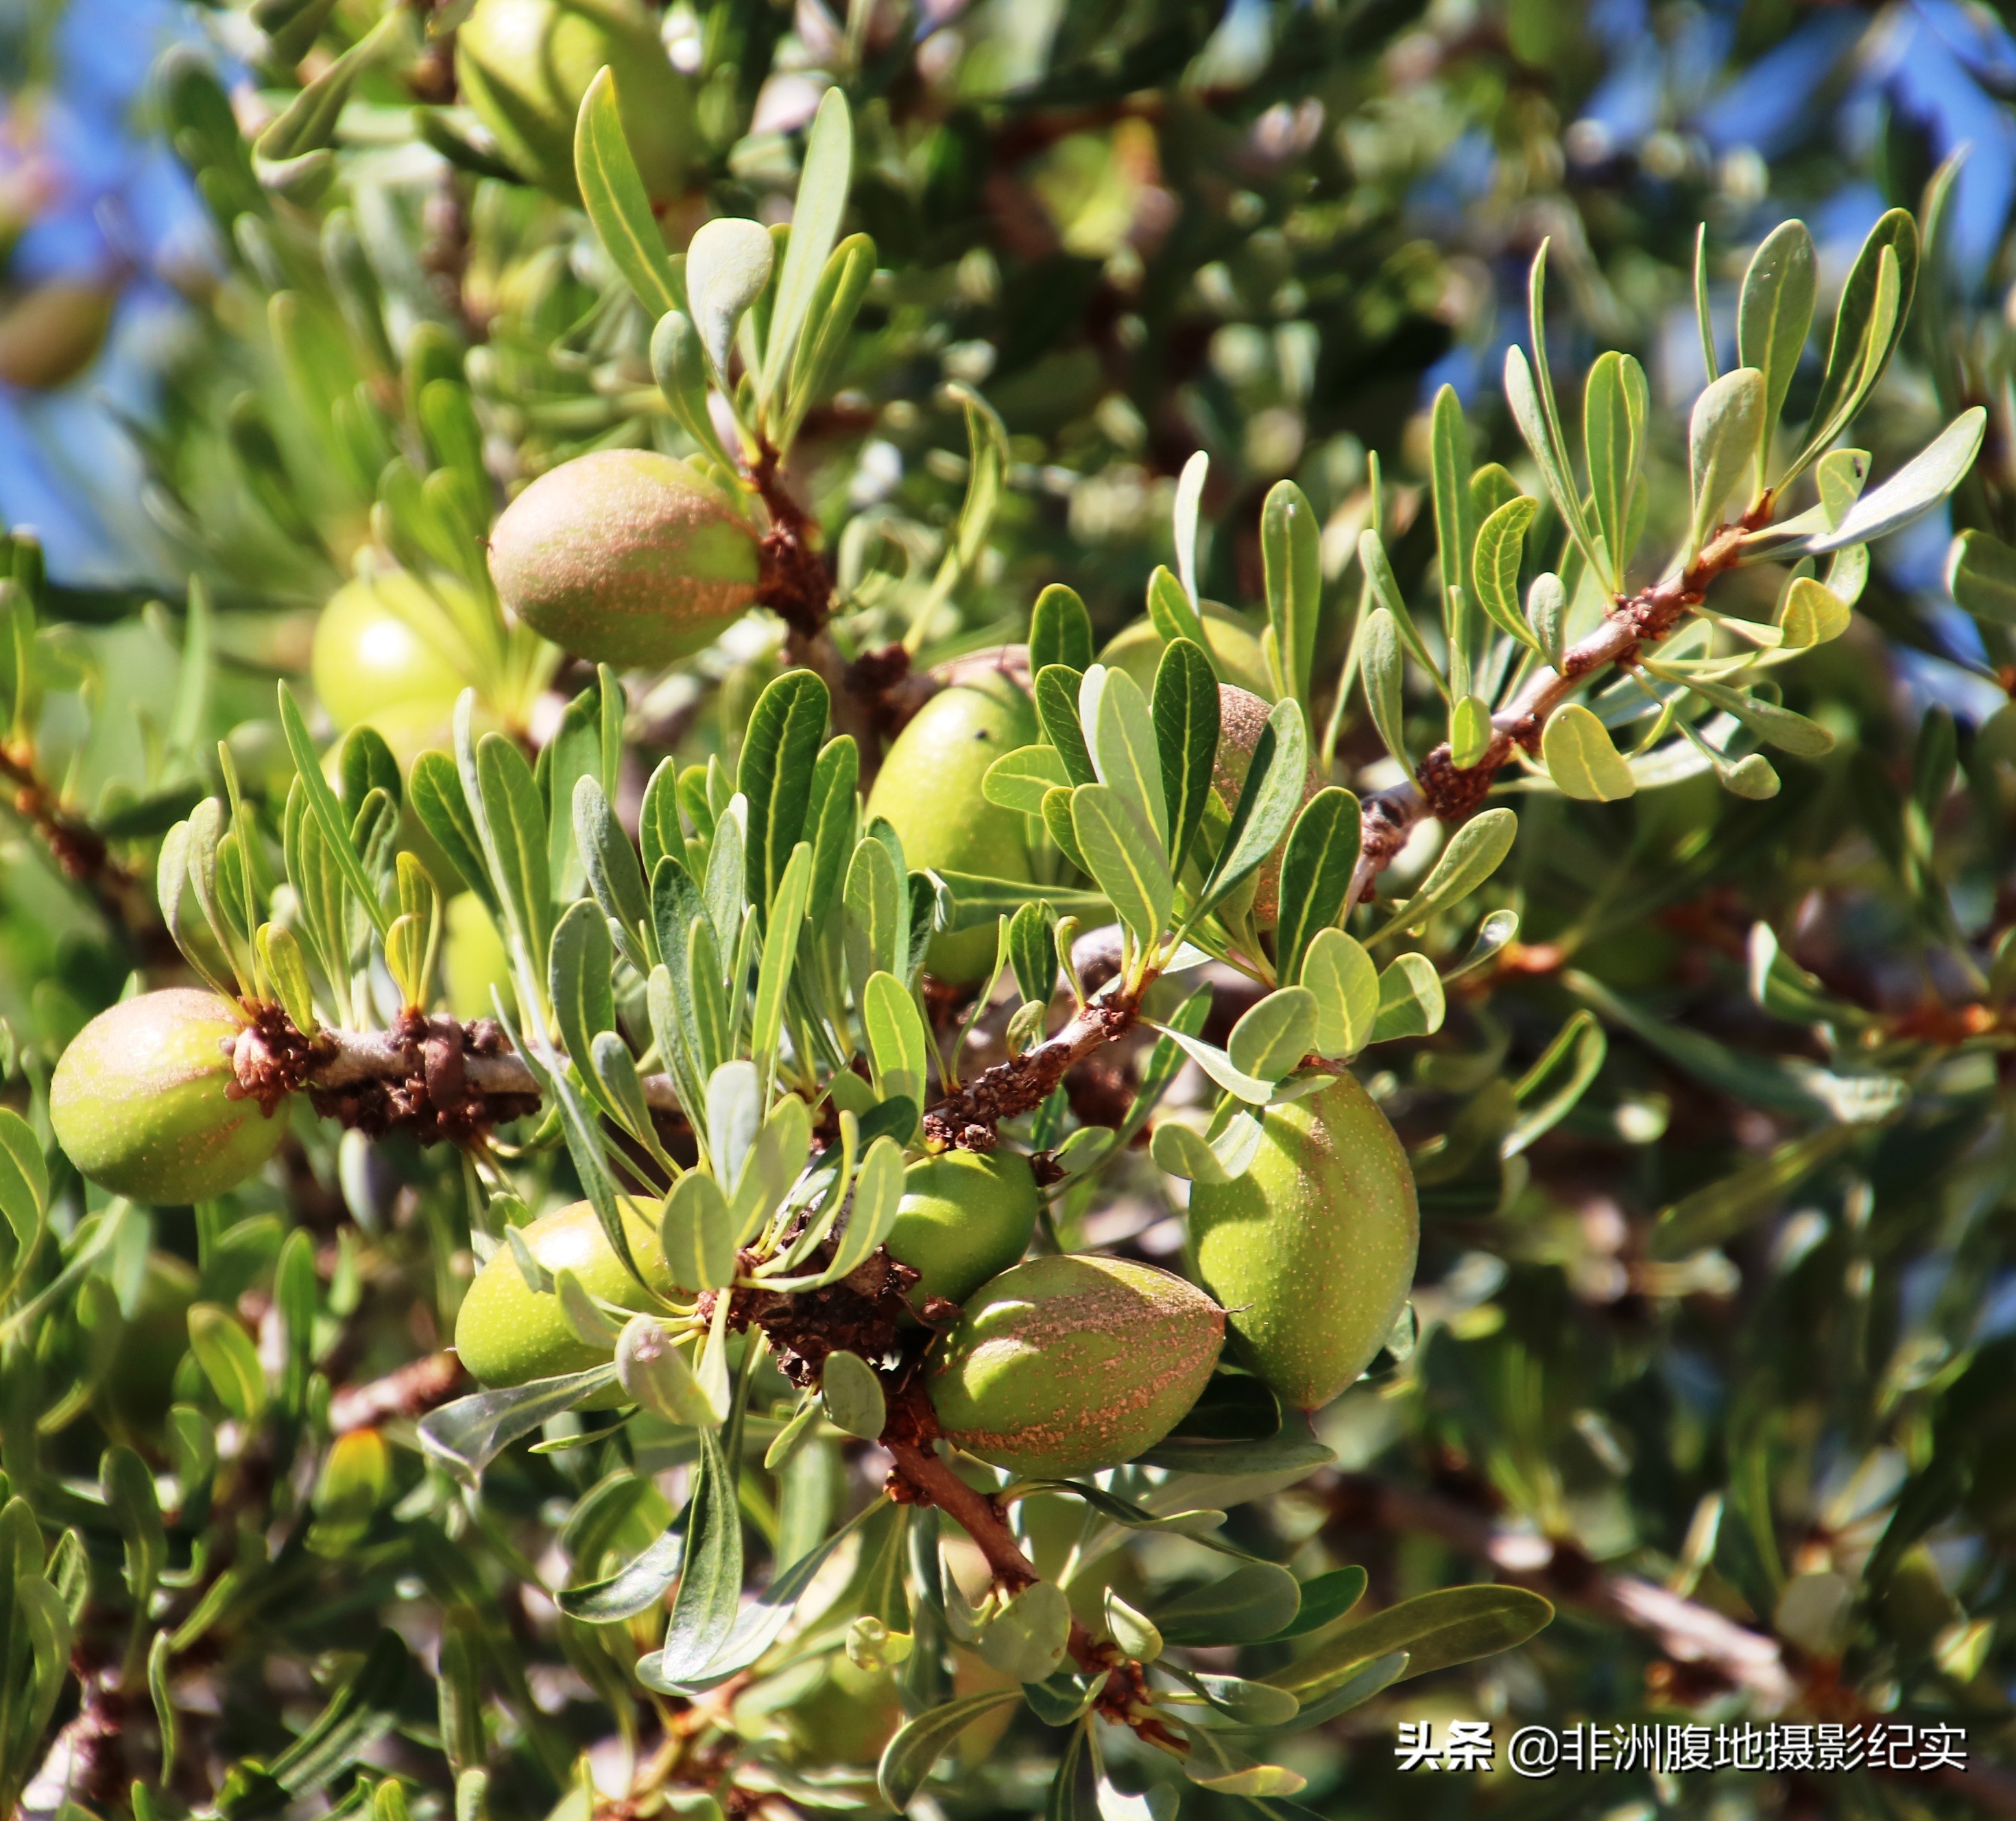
x,y
1312,1251
1063,1365
965,1217
50,334
509,1334
624,557
929,789
524,65
140,1105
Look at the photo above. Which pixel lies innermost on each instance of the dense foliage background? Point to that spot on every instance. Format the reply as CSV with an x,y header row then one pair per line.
x,y
1719,1355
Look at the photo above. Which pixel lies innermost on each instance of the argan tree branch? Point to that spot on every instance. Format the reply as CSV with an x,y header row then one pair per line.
x,y
1451,793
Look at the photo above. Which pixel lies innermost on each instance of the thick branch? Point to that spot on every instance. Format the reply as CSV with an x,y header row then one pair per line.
x,y
1451,793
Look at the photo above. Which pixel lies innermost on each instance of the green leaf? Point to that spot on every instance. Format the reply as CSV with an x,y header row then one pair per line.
x,y
710,1594
1457,1624
1124,857
1913,490
1185,711
1723,436
1494,561
1218,1065
728,265
1577,750
1020,779
1547,614
581,976
1774,317
1059,631
1981,575
1172,614
828,334
360,1713
1471,731
1276,778
896,1038
1380,658
1523,396
919,1744
1868,321
965,901
823,181
1613,428
1273,1035
1316,868
780,954
1336,968
1410,1000
1779,727
1814,614
613,194
328,813
877,914
1032,952
1471,855
1120,736
1254,1601
513,828
24,1185
1214,1764
698,1234
128,1485
779,753
1583,1044
853,1395
1291,561
230,1362
435,793
1326,1597
611,866
1057,687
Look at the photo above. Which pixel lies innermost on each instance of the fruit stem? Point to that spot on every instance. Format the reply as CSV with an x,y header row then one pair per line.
x,y
1452,792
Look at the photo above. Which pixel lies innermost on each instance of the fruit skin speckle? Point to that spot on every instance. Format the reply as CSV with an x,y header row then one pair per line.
x,y
623,556
1062,1366
965,1216
508,1334
140,1105
929,789
1312,1250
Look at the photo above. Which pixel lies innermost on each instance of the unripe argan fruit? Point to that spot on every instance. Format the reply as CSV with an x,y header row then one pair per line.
x,y
508,1334
373,667
524,67
473,959
1138,650
624,557
1242,718
138,1102
965,1216
847,1717
929,789
1063,1365
1312,1251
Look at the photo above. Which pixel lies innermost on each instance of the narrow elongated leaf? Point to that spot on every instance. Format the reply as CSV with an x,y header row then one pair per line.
x,y
896,1038
1913,490
1870,299
1380,658
435,793
229,1361
1020,779
1315,876
466,1435
1057,688
710,1594
1495,563
878,1191
780,954
1473,854
1254,1601
1524,398
1981,576
328,813
920,1743
515,824
581,976
1124,857
1782,728
1120,736
779,755
611,863
1772,320
1032,952
1185,710
1291,560
831,815
823,181
697,1233
1276,780
1171,612
1577,750
1610,443
829,329
612,195
1217,1064
1455,1624
1722,440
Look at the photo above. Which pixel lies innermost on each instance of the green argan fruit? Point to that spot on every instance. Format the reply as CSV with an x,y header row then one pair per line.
x,y
624,557
1062,1366
139,1100
523,66
1242,717
965,1216
1138,650
509,1334
372,665
929,788
1312,1251
473,959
